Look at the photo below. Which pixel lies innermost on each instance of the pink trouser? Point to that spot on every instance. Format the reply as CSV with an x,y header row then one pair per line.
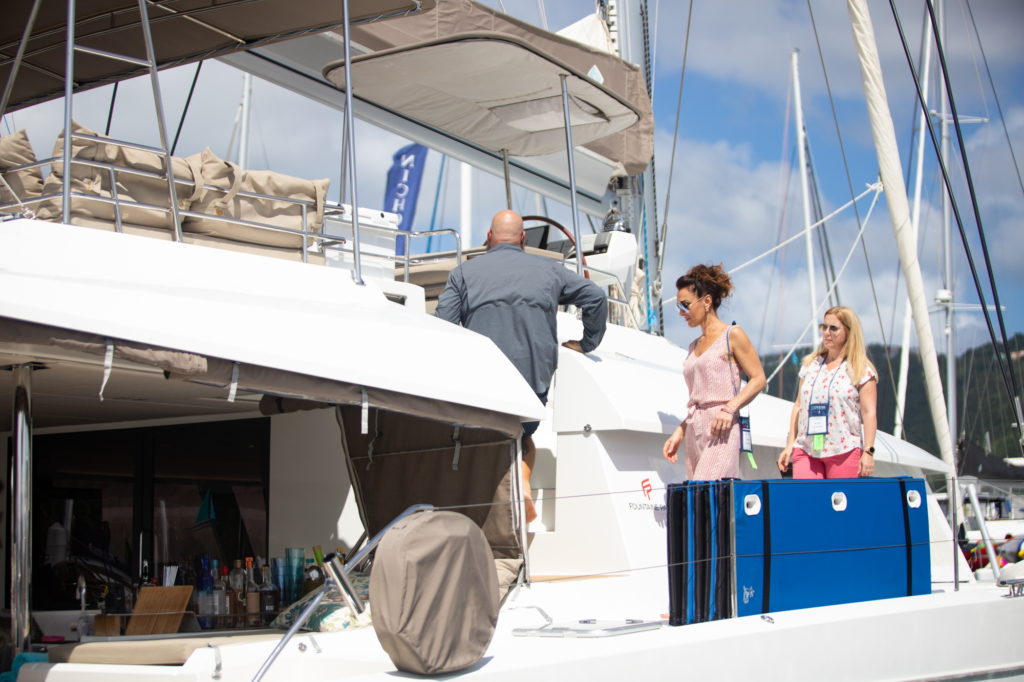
x,y
840,466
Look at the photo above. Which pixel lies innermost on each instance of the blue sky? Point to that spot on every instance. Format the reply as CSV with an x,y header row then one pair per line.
x,y
729,200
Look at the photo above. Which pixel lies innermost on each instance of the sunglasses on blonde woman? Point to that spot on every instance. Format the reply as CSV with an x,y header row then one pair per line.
x,y
828,327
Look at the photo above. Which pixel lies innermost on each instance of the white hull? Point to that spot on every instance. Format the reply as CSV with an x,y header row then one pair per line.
x,y
945,635
600,480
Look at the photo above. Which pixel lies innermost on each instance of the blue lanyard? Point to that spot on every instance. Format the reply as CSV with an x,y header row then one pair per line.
x,y
828,393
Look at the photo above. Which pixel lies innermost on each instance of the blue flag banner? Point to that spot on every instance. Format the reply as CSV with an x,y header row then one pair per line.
x,y
403,187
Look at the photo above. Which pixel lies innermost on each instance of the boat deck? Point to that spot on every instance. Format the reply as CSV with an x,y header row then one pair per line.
x,y
890,639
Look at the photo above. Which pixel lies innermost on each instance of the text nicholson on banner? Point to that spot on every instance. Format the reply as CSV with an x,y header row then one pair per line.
x,y
403,187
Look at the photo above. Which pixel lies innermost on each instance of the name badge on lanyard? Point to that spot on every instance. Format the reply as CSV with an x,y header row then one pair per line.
x,y
746,442
817,413
817,424
817,419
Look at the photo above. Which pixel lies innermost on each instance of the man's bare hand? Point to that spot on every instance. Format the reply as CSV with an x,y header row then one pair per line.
x,y
574,345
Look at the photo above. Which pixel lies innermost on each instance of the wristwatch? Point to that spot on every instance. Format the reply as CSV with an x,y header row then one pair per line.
x,y
871,451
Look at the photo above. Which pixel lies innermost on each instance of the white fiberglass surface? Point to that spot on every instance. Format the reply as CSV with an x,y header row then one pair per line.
x,y
636,382
267,312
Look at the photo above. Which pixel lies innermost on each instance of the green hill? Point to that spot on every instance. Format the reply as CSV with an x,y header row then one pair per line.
x,y
983,406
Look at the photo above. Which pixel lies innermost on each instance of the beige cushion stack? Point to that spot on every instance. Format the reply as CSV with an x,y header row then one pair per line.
x,y
95,180
204,183
230,179
15,150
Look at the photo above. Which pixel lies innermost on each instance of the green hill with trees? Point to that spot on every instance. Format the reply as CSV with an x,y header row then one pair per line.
x,y
982,403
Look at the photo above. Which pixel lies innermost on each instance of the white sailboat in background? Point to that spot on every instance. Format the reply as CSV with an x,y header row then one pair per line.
x,y
174,326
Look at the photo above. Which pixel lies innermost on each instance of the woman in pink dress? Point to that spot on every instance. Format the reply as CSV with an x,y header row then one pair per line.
x,y
832,427
710,434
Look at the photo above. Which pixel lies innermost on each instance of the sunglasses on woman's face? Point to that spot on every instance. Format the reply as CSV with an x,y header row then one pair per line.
x,y
684,307
828,328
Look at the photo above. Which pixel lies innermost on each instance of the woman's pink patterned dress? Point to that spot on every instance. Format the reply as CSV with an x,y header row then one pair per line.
x,y
712,380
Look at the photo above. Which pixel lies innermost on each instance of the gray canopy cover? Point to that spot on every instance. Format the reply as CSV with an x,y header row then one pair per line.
x,y
430,66
183,31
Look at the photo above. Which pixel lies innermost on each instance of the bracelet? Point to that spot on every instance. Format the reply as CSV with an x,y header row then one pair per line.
x,y
726,409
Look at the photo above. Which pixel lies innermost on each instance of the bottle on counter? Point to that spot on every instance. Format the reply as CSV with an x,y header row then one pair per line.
x,y
205,602
236,578
270,598
252,595
218,594
226,608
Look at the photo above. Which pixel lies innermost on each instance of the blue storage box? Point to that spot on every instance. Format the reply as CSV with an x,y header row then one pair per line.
x,y
738,548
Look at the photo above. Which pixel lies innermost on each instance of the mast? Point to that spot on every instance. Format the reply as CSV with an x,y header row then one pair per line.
x,y
243,137
947,295
884,135
901,390
628,24
465,205
805,191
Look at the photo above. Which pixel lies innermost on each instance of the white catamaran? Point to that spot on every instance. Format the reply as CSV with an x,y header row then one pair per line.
x,y
243,349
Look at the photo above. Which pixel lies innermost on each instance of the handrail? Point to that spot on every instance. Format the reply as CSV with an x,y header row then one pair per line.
x,y
972,494
334,242
322,240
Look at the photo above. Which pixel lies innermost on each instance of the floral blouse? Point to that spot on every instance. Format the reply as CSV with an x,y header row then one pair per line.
x,y
843,396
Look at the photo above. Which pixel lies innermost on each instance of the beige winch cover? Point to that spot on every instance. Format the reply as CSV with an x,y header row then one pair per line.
x,y
522,84
434,593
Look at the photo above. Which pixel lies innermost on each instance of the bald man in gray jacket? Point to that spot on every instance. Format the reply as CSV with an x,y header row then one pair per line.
x,y
512,297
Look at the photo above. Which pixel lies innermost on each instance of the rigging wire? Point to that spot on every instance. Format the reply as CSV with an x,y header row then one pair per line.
x,y
871,188
853,248
110,111
662,237
1008,374
654,47
915,133
966,384
977,72
441,181
856,212
543,15
995,96
188,102
654,287
824,247
786,163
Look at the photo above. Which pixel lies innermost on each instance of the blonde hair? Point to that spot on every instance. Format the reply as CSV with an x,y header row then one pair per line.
x,y
854,350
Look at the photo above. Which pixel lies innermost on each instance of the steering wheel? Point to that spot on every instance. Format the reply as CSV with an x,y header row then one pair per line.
x,y
568,235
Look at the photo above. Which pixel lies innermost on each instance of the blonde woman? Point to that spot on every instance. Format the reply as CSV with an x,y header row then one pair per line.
x,y
710,434
832,428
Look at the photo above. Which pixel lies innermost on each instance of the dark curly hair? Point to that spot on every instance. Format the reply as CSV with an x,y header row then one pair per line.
x,y
707,280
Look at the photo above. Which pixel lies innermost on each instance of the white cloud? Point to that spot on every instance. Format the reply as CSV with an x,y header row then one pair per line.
x,y
728,201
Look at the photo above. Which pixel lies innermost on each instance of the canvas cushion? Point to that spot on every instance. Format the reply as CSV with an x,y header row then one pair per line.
x,y
129,186
16,150
225,201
